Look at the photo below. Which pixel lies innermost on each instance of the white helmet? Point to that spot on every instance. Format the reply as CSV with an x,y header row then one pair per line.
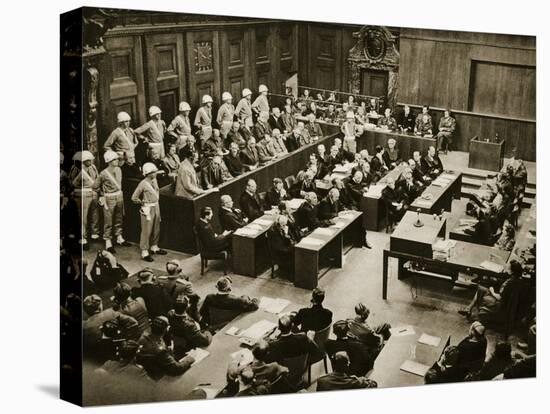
x,y
77,156
122,117
87,156
207,99
350,115
154,110
110,156
149,168
226,96
246,92
262,88
184,106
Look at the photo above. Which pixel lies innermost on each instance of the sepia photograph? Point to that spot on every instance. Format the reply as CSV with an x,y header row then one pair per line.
x,y
254,206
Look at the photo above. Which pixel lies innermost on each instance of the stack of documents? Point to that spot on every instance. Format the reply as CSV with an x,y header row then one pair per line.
x,y
198,353
444,245
259,329
273,305
325,231
242,357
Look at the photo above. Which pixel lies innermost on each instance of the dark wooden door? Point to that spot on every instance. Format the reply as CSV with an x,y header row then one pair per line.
x,y
374,82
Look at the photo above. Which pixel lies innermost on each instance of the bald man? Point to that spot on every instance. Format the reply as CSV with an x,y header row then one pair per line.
x,y
231,218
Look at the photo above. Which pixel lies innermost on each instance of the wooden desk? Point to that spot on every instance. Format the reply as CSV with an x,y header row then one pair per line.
x,y
309,259
486,155
406,143
399,349
441,196
407,238
213,369
465,258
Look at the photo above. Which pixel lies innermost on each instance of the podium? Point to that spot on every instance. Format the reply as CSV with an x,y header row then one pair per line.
x,y
486,155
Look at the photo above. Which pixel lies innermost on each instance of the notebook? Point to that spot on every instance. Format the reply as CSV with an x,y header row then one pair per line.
x,y
414,367
429,340
273,305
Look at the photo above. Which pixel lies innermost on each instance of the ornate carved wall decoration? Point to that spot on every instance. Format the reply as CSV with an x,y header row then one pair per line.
x,y
90,133
375,49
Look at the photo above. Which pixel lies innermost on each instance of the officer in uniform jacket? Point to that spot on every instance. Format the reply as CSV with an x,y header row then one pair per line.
x,y
330,205
339,379
156,357
135,308
184,330
234,135
225,300
157,302
250,203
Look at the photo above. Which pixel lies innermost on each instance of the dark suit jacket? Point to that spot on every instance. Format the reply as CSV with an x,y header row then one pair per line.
x,y
273,198
314,318
355,191
231,220
302,186
251,206
237,138
209,240
361,357
346,200
390,158
281,244
276,123
307,217
210,175
157,301
250,156
429,166
260,130
406,122
408,193
234,165
314,129
227,302
292,143
289,346
377,167
328,210
341,381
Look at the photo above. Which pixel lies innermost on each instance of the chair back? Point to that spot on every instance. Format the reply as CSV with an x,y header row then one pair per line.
x,y
321,338
289,181
297,367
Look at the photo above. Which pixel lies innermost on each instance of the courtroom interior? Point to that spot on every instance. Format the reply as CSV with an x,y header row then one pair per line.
x,y
261,206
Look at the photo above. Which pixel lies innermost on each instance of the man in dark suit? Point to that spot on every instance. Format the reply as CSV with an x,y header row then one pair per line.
x,y
340,379
407,188
406,119
307,214
361,356
377,164
233,161
211,241
225,300
264,370
212,174
330,205
235,136
157,301
289,344
250,203
282,245
276,194
231,218
316,317
275,121
249,155
262,128
346,201
394,201
431,163
293,140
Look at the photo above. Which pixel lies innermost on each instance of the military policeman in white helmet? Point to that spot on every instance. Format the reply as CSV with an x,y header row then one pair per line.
x,y
261,104
180,127
244,109
146,195
203,119
226,114
122,139
153,131
86,198
109,187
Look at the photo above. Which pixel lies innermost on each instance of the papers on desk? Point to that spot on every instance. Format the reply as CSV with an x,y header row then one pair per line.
x,y
414,367
429,340
402,331
422,202
447,176
311,241
246,231
273,305
198,353
492,266
338,225
444,245
242,357
255,226
467,222
263,222
325,231
375,190
295,203
259,330
234,331
346,214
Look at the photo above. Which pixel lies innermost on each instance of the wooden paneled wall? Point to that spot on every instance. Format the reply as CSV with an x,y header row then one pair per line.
x,y
487,79
165,64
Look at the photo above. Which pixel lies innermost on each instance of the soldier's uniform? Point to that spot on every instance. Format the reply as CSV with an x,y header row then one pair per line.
x,y
187,333
260,104
203,121
154,131
447,125
122,140
226,113
86,198
244,112
109,187
422,127
146,194
180,127
350,132
389,122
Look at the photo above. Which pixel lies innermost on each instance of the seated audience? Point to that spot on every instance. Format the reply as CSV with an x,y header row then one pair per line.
x,y
276,194
212,174
249,155
235,136
172,161
184,330
361,356
225,300
288,121
522,368
210,241
318,168
233,160
303,185
359,328
266,150
330,206
431,163
136,308
293,139
307,214
447,125
157,302
472,349
315,317
250,202
346,200
305,138
391,155
507,239
406,120
264,370
282,245
213,145
289,344
340,378
378,163
177,283
497,363
408,189
249,385
394,201
387,121
279,143
231,218
262,128
313,128
423,124
275,121
334,158
155,356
